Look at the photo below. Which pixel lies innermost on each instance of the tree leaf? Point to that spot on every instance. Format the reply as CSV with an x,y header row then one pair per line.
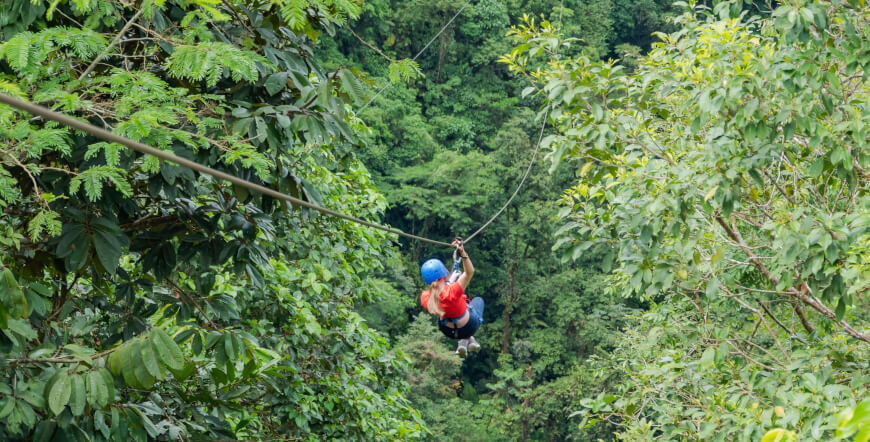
x,y
6,410
107,246
97,393
127,364
708,357
230,348
140,372
841,308
115,360
77,395
100,424
149,359
59,394
276,82
167,350
109,382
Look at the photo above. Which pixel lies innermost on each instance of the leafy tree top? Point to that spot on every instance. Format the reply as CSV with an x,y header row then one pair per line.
x,y
143,300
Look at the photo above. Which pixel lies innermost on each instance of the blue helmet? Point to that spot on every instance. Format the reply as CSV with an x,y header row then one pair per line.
x,y
433,270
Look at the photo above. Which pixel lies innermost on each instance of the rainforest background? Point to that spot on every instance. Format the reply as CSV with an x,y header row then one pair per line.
x,y
687,260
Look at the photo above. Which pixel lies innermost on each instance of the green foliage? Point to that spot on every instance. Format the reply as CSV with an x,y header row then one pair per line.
x,y
210,61
404,70
855,421
296,12
142,301
716,173
726,386
25,51
93,178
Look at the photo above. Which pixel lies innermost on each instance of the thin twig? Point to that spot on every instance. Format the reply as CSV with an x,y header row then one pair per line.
x,y
113,43
195,304
371,45
806,298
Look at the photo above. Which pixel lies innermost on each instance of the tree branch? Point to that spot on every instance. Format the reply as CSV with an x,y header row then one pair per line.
x,y
778,187
371,45
195,304
113,43
800,312
146,222
806,298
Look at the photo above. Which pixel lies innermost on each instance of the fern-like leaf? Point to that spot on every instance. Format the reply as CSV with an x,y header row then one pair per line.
x,y
20,51
342,9
352,85
85,43
248,156
111,152
141,124
150,164
46,220
210,8
48,139
10,88
82,7
404,70
9,190
293,12
93,178
210,60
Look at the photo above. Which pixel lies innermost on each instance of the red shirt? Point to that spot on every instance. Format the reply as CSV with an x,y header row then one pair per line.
x,y
453,300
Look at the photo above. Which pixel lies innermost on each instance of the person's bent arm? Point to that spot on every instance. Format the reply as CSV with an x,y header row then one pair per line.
x,y
467,266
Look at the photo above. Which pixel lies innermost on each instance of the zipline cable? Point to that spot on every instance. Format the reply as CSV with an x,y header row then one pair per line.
x,y
522,181
103,134
387,86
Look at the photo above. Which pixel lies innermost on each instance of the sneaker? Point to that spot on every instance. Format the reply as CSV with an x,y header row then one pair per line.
x,y
472,344
462,349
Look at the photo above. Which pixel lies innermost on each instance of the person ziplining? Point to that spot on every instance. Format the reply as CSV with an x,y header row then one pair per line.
x,y
458,318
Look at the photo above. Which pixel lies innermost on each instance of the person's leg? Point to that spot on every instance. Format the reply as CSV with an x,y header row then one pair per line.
x,y
462,348
472,344
476,305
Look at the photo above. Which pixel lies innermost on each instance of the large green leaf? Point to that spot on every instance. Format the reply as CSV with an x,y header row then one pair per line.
x,y
97,391
149,361
78,396
107,244
109,382
59,394
167,350
127,363
143,377
276,82
8,405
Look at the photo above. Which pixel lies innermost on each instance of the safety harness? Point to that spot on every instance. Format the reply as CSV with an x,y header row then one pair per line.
x,y
454,275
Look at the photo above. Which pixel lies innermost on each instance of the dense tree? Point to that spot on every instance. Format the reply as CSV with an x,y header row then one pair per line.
x,y
141,300
727,173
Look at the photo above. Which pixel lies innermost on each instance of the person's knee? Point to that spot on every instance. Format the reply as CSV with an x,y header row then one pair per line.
x,y
478,304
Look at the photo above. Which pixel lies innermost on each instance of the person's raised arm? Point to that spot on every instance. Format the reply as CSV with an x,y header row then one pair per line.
x,y
467,266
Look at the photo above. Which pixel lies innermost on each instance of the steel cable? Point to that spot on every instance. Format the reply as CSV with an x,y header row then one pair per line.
x,y
103,134
443,28
522,181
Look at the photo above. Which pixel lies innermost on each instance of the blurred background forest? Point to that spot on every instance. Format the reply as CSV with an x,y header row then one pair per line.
x,y
447,150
